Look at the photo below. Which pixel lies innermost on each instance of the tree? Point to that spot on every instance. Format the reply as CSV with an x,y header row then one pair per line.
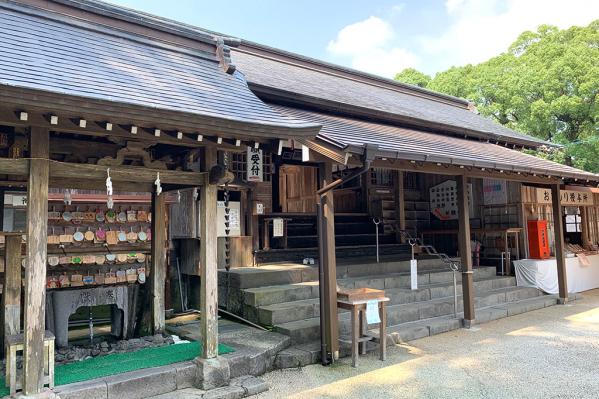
x,y
546,85
413,77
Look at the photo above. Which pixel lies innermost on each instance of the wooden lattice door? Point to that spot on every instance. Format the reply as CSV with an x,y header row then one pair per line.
x,y
297,188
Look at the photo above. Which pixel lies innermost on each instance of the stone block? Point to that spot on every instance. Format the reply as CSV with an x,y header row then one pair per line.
x,y
402,314
436,309
260,363
44,394
142,383
292,357
441,326
186,373
410,333
441,277
397,281
250,384
83,390
239,363
211,373
228,392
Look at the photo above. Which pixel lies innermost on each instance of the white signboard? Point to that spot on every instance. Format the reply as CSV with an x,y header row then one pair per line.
x,y
494,192
444,200
254,164
234,219
16,200
414,274
277,227
568,197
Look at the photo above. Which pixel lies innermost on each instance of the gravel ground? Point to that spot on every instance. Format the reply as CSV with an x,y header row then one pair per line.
x,y
549,353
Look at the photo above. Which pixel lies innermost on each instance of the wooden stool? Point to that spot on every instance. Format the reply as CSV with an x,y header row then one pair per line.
x,y
355,301
15,343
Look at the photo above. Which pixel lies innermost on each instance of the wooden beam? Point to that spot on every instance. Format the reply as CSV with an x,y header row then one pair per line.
x,y
10,166
400,206
11,296
465,250
329,263
66,170
158,272
455,170
35,271
208,264
560,253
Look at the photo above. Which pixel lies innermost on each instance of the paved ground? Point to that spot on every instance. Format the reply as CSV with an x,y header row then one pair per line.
x,y
549,353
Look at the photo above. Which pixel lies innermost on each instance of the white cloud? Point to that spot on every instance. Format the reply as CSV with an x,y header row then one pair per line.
x,y
479,30
476,30
367,45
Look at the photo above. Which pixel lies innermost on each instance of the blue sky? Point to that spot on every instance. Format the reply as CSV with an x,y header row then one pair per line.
x,y
378,36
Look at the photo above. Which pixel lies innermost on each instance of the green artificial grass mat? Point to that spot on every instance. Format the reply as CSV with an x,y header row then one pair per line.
x,y
117,363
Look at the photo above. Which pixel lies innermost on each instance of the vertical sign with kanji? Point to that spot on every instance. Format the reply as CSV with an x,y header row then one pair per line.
x,y
254,164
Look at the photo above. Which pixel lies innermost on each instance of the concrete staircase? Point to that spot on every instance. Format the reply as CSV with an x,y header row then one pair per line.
x,y
285,296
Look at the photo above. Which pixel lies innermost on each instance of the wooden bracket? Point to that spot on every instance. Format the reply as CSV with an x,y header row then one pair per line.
x,y
133,151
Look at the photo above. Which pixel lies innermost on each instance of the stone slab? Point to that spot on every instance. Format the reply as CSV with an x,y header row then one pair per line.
x,y
142,383
96,389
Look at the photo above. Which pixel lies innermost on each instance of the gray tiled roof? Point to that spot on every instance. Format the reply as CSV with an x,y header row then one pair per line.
x,y
316,83
42,52
412,144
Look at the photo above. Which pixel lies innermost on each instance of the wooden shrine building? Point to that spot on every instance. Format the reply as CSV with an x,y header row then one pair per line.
x,y
230,146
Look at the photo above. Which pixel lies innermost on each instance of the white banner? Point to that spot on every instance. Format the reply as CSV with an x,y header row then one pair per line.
x,y
254,164
494,192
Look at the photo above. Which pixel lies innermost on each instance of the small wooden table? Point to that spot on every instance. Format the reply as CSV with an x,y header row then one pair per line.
x,y
356,304
14,344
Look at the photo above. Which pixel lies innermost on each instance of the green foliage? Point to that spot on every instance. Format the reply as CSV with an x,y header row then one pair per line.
x,y
413,77
545,85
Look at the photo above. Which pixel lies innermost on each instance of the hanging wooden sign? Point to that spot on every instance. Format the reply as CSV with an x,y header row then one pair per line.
x,y
254,164
567,197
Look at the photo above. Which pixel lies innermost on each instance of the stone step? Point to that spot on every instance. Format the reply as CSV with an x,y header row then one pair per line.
x,y
300,355
424,328
301,331
343,253
305,308
279,293
292,273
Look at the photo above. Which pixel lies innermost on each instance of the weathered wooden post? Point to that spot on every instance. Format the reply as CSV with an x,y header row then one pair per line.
x,y
12,285
465,250
35,269
400,208
212,370
560,255
329,261
158,272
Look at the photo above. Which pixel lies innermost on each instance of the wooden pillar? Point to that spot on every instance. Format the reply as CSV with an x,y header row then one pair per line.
x,y
12,285
208,264
465,250
253,226
560,254
400,205
35,270
158,272
329,262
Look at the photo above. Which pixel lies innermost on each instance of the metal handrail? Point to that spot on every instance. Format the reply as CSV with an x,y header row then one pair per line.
x,y
454,265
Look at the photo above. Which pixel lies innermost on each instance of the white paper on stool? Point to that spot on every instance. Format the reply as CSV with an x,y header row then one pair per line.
x,y
372,312
414,274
